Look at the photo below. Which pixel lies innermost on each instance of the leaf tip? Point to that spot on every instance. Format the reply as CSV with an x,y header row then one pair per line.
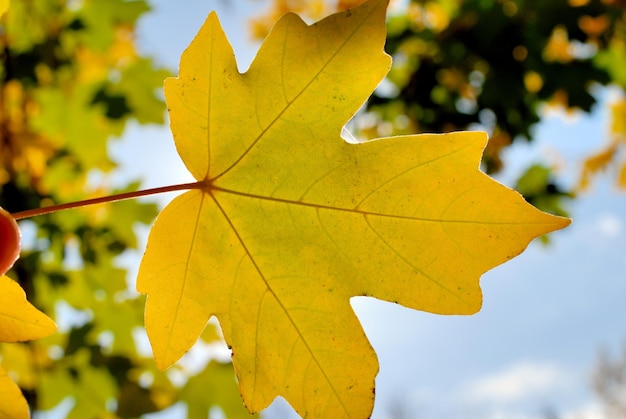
x,y
21,321
552,222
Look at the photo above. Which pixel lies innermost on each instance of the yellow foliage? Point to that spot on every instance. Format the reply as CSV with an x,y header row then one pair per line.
x,y
289,222
618,119
594,26
533,81
12,404
621,178
497,142
24,363
122,51
84,90
558,47
347,4
313,9
22,150
596,163
309,9
430,15
95,66
610,156
560,101
19,321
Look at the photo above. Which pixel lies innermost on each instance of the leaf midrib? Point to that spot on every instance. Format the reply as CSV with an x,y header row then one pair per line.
x,y
355,210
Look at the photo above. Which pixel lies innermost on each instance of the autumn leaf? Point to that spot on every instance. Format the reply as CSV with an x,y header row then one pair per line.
x,y
19,321
291,221
12,404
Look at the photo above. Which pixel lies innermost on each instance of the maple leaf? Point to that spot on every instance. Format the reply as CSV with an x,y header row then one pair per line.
x,y
19,319
291,221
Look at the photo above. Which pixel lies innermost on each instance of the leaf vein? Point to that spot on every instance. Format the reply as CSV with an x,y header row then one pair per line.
x,y
294,100
280,303
187,269
409,170
408,262
371,213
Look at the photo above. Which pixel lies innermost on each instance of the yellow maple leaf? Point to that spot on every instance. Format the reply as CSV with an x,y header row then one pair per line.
x,y
20,320
290,221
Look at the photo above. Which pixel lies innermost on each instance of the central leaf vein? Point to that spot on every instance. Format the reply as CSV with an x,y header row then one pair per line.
x,y
356,210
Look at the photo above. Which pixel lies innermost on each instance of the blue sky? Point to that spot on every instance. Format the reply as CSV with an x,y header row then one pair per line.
x,y
546,314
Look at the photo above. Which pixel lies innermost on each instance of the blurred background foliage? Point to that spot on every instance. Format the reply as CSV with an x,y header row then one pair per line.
x,y
71,79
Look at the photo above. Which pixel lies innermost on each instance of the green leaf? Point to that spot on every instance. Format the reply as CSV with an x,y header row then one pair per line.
x,y
215,386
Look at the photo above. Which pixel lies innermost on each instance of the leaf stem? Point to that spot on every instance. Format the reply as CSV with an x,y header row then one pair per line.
x,y
110,198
